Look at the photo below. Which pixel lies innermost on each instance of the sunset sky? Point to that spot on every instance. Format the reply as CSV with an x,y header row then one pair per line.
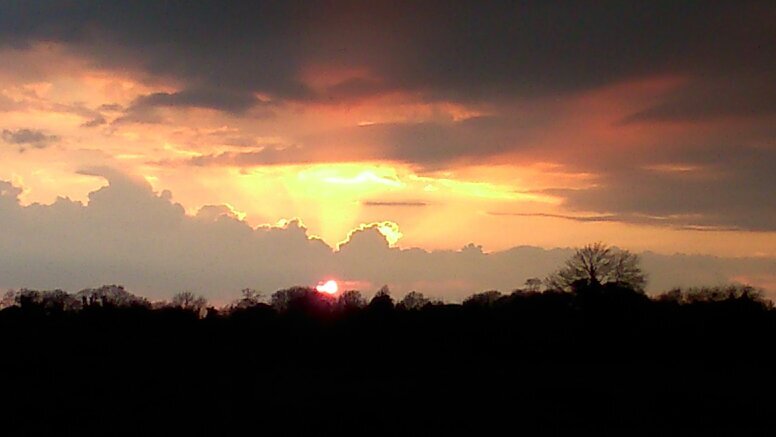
x,y
647,125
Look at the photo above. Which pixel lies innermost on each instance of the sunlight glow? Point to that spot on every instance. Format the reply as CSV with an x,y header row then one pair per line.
x,y
329,287
365,176
390,231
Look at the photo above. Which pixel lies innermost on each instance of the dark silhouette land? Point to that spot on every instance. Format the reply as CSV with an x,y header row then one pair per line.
x,y
600,356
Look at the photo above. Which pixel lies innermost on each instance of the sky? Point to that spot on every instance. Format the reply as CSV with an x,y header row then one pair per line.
x,y
448,147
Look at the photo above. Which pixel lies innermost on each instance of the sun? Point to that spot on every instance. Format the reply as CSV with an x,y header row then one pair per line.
x,y
329,287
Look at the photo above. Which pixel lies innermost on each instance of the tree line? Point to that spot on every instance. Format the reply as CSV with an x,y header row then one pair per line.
x,y
584,349
594,268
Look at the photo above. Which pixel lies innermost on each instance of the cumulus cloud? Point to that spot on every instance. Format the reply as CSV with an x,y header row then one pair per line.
x,y
25,138
128,234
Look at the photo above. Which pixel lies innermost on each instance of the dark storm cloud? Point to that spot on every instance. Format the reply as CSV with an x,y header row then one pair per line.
x,y
455,51
709,99
730,187
431,144
235,102
144,108
29,138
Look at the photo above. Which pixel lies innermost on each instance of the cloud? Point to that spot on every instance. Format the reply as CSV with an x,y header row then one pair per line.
x,y
29,138
474,51
229,101
264,157
724,186
527,82
7,104
94,122
711,98
128,234
407,203
670,221
429,145
434,143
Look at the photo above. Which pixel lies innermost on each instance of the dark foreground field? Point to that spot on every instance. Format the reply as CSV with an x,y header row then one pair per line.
x,y
608,361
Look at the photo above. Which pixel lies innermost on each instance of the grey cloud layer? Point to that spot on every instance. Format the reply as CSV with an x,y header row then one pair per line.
x,y
224,52
729,183
128,234
29,138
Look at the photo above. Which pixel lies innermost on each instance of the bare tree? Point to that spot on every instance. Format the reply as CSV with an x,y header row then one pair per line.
x,y
414,301
251,295
598,264
533,285
626,270
250,298
189,301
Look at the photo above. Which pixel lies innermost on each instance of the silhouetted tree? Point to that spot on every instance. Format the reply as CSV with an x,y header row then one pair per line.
x,y
626,271
8,300
110,295
597,264
250,295
28,299
533,285
520,344
674,295
58,300
484,299
382,300
302,300
250,298
351,300
414,301
714,294
49,301
281,298
189,301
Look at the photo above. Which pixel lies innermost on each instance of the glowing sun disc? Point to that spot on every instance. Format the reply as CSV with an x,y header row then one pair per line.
x,y
329,287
